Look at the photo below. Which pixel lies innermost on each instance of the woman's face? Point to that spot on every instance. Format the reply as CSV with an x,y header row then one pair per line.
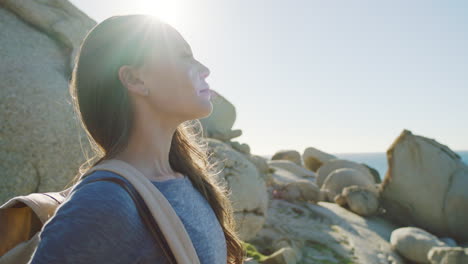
x,y
175,78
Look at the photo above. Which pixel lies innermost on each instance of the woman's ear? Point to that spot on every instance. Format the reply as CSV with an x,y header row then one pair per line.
x,y
131,80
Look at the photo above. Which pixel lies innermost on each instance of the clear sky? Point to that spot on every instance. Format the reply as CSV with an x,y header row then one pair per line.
x,y
341,76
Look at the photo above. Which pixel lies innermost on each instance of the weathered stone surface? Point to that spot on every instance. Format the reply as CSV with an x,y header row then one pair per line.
x,y
375,173
361,200
59,19
314,158
242,148
342,178
219,123
249,196
448,255
283,183
326,233
291,155
425,186
281,176
260,162
414,243
284,255
292,167
332,165
302,190
39,134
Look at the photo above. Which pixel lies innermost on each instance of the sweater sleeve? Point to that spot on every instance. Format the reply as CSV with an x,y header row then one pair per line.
x,y
97,223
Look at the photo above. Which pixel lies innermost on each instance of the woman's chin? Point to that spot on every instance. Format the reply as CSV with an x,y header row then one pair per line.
x,y
204,109
207,111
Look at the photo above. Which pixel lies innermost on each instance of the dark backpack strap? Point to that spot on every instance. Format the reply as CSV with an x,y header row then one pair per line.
x,y
51,197
145,214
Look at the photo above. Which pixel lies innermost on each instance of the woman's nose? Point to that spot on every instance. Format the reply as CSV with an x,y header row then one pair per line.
x,y
205,72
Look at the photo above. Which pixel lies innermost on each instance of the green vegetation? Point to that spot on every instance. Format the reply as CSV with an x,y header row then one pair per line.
x,y
327,251
252,252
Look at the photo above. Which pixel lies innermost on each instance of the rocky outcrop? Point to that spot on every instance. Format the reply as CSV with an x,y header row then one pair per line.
x,y
291,155
280,176
292,167
374,173
448,255
37,125
314,158
425,186
325,233
291,184
219,123
301,190
361,200
248,189
260,162
342,178
327,168
414,243
241,147
60,20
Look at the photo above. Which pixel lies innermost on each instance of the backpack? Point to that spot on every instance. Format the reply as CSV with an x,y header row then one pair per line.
x,y
22,217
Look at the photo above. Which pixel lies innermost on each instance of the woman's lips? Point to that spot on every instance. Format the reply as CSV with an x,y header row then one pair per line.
x,y
206,88
205,92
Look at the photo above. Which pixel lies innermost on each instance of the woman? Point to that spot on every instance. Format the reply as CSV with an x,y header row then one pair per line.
x,y
135,87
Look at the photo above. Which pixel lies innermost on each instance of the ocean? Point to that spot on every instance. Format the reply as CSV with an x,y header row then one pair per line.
x,y
378,160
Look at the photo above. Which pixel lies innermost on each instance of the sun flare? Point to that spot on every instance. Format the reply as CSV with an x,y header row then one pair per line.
x,y
165,10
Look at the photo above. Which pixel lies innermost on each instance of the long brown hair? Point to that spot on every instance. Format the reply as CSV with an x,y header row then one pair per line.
x,y
102,105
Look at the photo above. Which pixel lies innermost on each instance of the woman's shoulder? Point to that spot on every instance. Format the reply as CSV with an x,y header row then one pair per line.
x,y
98,220
101,198
102,201
99,174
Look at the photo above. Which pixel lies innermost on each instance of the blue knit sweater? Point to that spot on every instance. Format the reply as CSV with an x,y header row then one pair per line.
x,y
99,223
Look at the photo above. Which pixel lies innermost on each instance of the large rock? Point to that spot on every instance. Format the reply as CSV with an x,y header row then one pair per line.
x,y
39,134
425,186
248,190
375,173
448,255
414,243
219,123
61,20
242,148
361,200
302,190
281,176
291,155
291,167
314,158
326,233
260,162
334,164
342,178
289,186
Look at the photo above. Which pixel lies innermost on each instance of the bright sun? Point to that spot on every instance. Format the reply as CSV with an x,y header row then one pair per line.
x,y
166,10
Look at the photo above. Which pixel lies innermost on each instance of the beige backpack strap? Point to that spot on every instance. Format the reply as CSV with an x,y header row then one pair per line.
x,y
168,221
23,216
42,204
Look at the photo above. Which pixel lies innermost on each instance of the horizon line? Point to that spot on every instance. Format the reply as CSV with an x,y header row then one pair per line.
x,y
368,152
